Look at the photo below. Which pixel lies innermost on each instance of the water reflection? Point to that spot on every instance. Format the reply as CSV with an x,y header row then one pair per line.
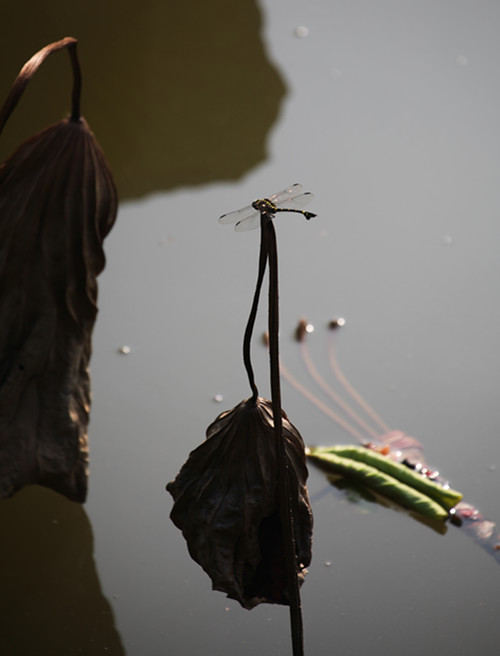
x,y
363,424
178,94
51,599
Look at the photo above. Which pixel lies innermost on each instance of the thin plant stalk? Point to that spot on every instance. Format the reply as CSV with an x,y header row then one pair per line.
x,y
251,319
269,254
286,510
32,65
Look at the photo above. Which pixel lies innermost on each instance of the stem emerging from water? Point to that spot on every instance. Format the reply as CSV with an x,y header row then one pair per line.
x,y
269,253
286,510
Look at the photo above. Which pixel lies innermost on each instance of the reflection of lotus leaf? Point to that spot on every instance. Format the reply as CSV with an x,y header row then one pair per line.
x,y
180,93
51,601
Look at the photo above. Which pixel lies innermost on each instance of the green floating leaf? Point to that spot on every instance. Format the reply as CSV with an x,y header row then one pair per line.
x,y
388,478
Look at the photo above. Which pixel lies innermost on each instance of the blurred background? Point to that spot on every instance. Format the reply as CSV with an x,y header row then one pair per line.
x,y
388,112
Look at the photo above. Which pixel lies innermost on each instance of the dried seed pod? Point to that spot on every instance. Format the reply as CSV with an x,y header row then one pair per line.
x,y
57,203
226,504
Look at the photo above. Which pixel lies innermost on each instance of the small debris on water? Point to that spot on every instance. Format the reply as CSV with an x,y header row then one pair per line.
x,y
303,328
336,323
124,350
218,398
301,32
164,241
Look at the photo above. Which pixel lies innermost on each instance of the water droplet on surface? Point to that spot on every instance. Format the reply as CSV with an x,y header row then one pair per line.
x,y
218,398
302,31
124,350
461,60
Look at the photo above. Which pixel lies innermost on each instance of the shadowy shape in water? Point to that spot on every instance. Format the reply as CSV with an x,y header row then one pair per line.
x,y
186,96
52,601
57,203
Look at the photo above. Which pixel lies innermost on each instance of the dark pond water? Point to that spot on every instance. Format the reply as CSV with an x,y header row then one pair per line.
x,y
387,112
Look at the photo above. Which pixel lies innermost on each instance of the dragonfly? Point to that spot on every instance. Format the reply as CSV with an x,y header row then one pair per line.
x,y
291,199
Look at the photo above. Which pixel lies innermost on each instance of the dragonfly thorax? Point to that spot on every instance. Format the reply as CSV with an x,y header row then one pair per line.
x,y
291,199
264,205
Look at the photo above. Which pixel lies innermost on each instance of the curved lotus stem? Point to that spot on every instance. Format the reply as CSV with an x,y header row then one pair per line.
x,y
31,66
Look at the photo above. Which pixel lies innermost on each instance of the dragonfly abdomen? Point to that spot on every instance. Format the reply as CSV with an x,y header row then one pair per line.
x,y
308,215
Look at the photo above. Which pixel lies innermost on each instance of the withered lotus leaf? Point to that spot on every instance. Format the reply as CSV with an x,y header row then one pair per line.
x,y
57,203
226,504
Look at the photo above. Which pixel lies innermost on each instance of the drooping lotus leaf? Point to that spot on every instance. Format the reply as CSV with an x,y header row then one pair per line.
x,y
226,504
57,203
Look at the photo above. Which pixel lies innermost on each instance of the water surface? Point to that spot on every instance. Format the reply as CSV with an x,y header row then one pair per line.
x,y
391,119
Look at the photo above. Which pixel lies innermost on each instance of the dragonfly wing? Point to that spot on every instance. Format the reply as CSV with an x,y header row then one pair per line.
x,y
298,202
287,194
249,223
238,215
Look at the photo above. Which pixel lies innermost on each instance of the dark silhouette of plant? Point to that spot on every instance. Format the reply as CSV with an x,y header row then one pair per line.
x,y
57,203
241,499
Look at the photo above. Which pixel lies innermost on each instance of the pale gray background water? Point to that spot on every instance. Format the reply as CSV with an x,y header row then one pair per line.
x,y
391,119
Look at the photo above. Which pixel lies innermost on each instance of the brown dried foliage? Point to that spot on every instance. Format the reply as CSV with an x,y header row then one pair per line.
x,y
226,504
57,203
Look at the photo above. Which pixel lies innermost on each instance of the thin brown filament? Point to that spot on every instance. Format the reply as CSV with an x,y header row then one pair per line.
x,y
336,398
291,380
350,389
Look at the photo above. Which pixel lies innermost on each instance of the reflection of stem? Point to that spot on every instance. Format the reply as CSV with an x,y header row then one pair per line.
x,y
336,398
251,320
286,510
319,404
350,389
